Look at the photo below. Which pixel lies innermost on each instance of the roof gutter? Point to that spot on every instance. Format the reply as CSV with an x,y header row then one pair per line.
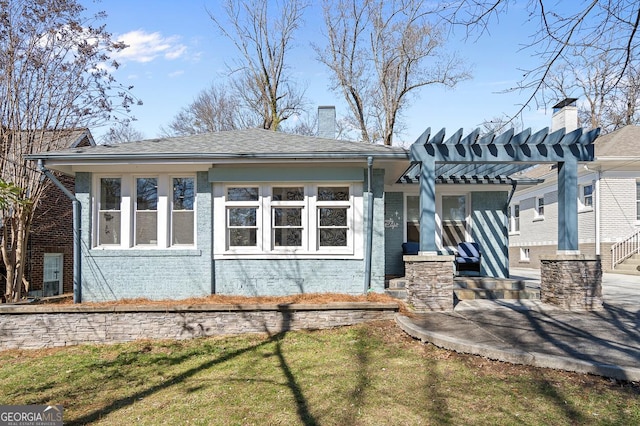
x,y
77,254
203,157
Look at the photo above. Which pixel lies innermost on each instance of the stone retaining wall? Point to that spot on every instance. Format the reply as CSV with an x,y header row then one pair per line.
x,y
32,327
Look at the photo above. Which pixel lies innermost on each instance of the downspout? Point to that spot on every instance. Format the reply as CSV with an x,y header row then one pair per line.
x,y
77,229
369,244
597,211
514,185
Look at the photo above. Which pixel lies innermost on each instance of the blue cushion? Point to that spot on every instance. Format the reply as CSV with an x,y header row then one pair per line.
x,y
410,248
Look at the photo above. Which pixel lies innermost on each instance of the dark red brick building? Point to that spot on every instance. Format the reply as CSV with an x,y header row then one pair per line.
x,y
49,268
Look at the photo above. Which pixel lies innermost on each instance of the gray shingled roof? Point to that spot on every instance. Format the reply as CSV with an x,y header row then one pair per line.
x,y
624,142
251,143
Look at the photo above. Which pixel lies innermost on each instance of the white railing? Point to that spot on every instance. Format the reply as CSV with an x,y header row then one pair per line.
x,y
625,249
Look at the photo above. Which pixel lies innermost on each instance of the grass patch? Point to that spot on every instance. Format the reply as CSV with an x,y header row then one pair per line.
x,y
370,374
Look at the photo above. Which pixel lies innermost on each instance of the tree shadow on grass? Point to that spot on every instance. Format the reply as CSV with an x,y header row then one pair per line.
x,y
273,338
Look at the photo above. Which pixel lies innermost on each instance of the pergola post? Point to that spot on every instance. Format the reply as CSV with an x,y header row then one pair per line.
x,y
428,207
568,207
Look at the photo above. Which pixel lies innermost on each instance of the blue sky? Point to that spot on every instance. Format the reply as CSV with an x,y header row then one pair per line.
x,y
176,51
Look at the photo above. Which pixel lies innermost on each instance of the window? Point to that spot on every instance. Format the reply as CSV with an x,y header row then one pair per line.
x,y
454,225
274,219
242,216
182,213
514,218
539,208
146,216
287,206
586,196
413,218
145,211
637,200
109,211
333,226
524,254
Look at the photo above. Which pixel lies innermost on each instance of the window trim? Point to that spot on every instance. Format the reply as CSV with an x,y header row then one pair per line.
x,y
128,211
537,216
583,206
440,218
265,247
513,219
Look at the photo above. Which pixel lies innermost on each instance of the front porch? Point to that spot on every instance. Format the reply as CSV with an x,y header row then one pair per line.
x,y
568,279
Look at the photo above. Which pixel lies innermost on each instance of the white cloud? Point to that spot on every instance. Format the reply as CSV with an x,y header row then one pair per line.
x,y
176,73
145,47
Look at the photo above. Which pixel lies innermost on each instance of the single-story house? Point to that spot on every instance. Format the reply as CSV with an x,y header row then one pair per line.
x,y
256,212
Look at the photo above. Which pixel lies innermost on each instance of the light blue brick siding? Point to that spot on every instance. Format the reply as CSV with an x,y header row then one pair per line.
x,y
489,229
153,274
276,277
394,232
268,277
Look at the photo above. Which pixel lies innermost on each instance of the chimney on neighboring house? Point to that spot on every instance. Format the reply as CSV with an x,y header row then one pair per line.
x,y
327,122
565,114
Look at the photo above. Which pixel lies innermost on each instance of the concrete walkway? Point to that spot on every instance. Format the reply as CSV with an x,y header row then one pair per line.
x,y
605,342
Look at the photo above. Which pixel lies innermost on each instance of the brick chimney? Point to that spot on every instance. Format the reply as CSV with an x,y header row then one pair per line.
x,y
565,114
327,122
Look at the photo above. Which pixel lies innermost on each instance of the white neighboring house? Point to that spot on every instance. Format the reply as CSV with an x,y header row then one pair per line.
x,y
608,205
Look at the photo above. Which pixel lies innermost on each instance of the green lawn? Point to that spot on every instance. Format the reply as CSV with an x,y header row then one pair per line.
x,y
370,374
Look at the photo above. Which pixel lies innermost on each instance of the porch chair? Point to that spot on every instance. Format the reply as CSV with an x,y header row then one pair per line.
x,y
468,257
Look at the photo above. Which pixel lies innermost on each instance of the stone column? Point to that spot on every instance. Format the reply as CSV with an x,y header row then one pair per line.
x,y
572,282
429,282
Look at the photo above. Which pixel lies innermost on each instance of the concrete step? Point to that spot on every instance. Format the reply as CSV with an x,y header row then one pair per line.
x,y
625,272
397,283
400,294
626,266
488,283
472,294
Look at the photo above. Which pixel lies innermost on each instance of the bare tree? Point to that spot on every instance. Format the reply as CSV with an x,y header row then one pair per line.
x,y
379,54
561,28
214,109
54,78
605,102
263,38
122,131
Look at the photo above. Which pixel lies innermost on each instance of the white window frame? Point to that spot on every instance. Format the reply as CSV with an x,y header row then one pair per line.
x,y
128,211
98,210
172,210
310,247
525,254
514,220
159,220
406,213
583,197
638,201
539,203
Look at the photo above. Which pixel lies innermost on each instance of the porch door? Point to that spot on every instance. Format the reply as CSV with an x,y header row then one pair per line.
x,y
454,220
52,274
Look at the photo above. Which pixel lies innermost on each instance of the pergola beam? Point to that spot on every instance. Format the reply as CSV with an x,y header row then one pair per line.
x,y
491,158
